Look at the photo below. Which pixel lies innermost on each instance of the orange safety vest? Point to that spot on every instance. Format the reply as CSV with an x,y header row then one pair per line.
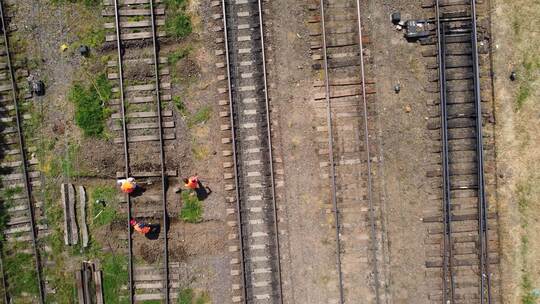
x,y
143,230
193,183
127,187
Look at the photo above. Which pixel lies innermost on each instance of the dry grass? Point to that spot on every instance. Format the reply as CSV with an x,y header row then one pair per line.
x,y
517,41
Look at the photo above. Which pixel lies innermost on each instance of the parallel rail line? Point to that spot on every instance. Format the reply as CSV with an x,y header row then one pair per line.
x,y
461,180
254,184
22,150
159,124
346,72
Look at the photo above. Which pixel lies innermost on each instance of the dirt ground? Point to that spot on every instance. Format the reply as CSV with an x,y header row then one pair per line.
x,y
403,147
516,42
311,263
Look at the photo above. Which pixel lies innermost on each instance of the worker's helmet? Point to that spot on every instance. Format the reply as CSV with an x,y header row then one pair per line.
x,y
132,222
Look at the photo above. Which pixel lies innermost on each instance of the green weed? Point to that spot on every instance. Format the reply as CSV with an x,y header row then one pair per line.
x,y
174,57
179,25
176,4
192,208
178,22
103,215
181,106
21,273
186,296
115,275
201,116
89,3
199,152
90,110
93,38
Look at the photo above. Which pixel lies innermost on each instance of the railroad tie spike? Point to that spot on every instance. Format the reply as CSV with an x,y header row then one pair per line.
x,y
221,77
235,261
224,114
227,165
235,287
219,40
226,140
215,3
217,28
235,272
233,248
217,16
233,236
232,223
229,187
226,153
228,176
237,299
220,65
230,211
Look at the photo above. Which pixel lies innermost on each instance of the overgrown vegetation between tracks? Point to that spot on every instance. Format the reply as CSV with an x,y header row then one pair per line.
x,y
189,296
192,210
178,21
90,102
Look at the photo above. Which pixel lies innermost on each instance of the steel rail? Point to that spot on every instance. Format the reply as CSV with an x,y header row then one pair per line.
x,y
24,162
485,281
126,147
161,154
235,161
331,155
368,156
271,157
448,291
4,283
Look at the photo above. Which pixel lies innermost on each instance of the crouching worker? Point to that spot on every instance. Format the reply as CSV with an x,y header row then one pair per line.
x,y
151,231
127,185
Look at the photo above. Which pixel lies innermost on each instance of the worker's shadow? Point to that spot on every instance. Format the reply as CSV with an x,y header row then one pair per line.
x,y
153,234
138,191
202,192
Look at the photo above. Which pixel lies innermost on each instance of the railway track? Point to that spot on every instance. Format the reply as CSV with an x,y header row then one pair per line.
x,y
21,206
144,126
256,258
342,101
460,227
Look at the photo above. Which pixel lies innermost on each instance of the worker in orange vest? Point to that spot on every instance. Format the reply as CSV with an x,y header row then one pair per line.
x,y
140,227
127,185
192,182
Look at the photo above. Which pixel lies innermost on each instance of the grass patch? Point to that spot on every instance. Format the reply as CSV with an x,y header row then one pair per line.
x,y
93,37
174,57
21,273
200,152
103,215
178,22
528,74
89,3
181,106
115,275
178,26
192,208
188,296
201,116
90,101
